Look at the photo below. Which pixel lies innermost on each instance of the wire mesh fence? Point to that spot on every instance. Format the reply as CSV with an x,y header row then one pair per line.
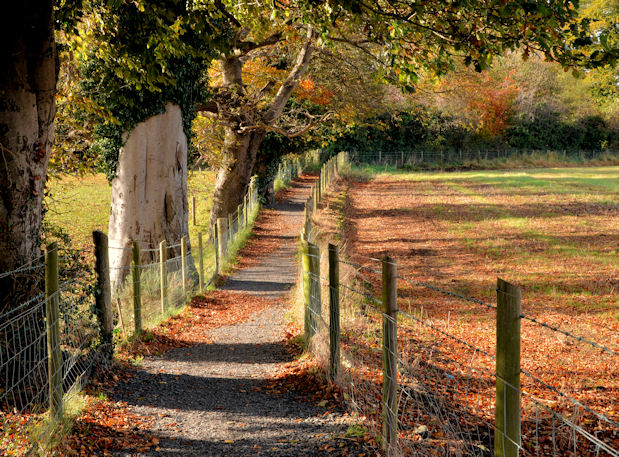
x,y
457,395
49,346
437,157
450,384
57,336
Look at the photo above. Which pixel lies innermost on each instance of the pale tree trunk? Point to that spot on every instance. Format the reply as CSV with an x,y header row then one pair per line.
x,y
149,193
28,73
241,146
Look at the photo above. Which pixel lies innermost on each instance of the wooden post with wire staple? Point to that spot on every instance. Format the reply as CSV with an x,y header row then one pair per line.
x,y
315,305
314,198
103,293
334,312
507,413
305,266
216,247
221,247
390,357
193,209
52,309
201,262
163,276
230,236
137,290
184,265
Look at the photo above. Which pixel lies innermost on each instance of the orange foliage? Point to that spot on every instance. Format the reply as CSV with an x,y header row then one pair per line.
x,y
257,72
493,101
308,90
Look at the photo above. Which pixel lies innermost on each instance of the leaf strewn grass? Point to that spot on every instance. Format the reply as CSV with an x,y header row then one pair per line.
x,y
553,232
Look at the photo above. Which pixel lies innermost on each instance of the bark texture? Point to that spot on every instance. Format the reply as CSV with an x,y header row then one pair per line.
x,y
149,193
246,130
28,74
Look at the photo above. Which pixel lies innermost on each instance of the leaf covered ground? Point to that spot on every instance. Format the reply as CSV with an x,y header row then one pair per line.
x,y
551,232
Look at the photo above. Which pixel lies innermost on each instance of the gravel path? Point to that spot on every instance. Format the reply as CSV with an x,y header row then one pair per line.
x,y
207,400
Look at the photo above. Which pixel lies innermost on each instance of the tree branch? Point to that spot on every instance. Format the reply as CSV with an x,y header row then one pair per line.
x,y
292,81
288,134
248,46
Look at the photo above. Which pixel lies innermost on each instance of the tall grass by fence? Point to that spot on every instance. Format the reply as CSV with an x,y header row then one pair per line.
x,y
52,343
437,158
421,388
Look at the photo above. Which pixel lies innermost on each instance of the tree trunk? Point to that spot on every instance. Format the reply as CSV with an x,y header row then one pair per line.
x,y
149,193
241,144
28,73
240,151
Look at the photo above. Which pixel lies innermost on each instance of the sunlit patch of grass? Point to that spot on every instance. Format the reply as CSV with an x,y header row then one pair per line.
x,y
80,205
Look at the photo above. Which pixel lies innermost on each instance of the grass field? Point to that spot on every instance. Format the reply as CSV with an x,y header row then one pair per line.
x,y
529,226
81,205
552,232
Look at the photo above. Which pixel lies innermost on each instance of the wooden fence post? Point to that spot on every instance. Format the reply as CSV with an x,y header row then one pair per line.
x,y
307,284
307,226
390,357
314,198
334,312
230,236
245,211
239,218
103,294
507,414
137,290
184,264
201,262
315,305
216,247
222,245
193,209
163,258
52,305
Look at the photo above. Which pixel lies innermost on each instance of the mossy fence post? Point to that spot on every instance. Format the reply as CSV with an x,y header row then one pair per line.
x,y
193,209
230,232
222,242
216,247
163,275
315,305
103,293
184,264
311,290
200,262
314,198
52,309
334,312
137,290
305,267
507,414
390,357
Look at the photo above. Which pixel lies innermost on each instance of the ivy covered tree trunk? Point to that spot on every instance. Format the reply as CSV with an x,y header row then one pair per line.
x,y
28,76
149,193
